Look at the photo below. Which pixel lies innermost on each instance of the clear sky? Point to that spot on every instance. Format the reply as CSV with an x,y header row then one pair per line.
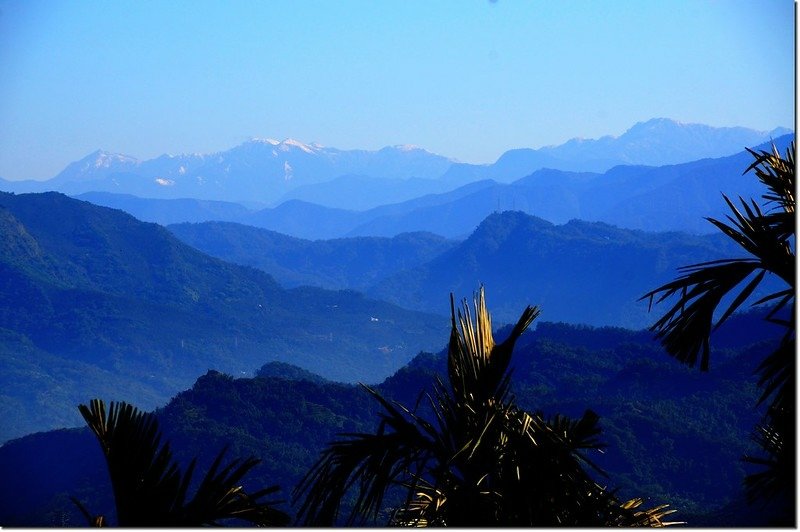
x,y
467,79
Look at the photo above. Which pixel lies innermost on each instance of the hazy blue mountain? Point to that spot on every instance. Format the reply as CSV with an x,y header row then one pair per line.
x,y
339,263
579,272
305,220
268,171
674,434
293,217
93,301
311,221
289,372
360,192
452,219
429,200
682,196
168,211
258,170
665,198
656,142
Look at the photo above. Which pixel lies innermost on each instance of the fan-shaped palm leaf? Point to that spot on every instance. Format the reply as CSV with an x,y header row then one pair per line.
x,y
482,462
769,239
686,327
149,489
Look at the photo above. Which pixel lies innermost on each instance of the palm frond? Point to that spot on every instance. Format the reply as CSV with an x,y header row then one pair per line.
x,y
777,374
686,327
145,480
221,496
149,489
477,367
94,521
371,462
767,237
776,438
482,462
777,174
757,234
653,517
684,330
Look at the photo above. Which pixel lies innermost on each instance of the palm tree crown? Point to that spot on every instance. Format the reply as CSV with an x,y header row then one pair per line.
x,y
482,461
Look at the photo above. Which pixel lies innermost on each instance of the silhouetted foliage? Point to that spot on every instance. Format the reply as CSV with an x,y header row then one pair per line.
x,y
482,462
673,433
149,488
768,237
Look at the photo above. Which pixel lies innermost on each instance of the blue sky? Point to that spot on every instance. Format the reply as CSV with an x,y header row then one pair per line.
x,y
466,79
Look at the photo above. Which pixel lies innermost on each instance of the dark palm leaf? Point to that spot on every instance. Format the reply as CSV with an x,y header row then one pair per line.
x,y
777,174
759,235
775,437
373,462
483,462
769,239
220,496
686,327
149,488
145,480
777,374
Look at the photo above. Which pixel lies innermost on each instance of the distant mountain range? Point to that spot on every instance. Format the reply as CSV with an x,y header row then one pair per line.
x,y
257,171
579,272
266,171
98,294
354,263
93,301
665,198
656,142
361,192
97,303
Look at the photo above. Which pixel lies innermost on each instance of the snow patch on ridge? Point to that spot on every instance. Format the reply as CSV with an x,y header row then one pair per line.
x,y
259,140
105,159
287,144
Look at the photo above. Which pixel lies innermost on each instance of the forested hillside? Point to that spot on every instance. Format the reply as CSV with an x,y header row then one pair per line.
x,y
92,301
580,272
354,263
673,434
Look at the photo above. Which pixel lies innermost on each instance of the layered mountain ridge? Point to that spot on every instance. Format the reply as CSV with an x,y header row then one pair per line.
x,y
268,171
579,272
664,198
94,301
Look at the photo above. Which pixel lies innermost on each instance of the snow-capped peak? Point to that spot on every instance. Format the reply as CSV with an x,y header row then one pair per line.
x,y
259,140
292,143
104,159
